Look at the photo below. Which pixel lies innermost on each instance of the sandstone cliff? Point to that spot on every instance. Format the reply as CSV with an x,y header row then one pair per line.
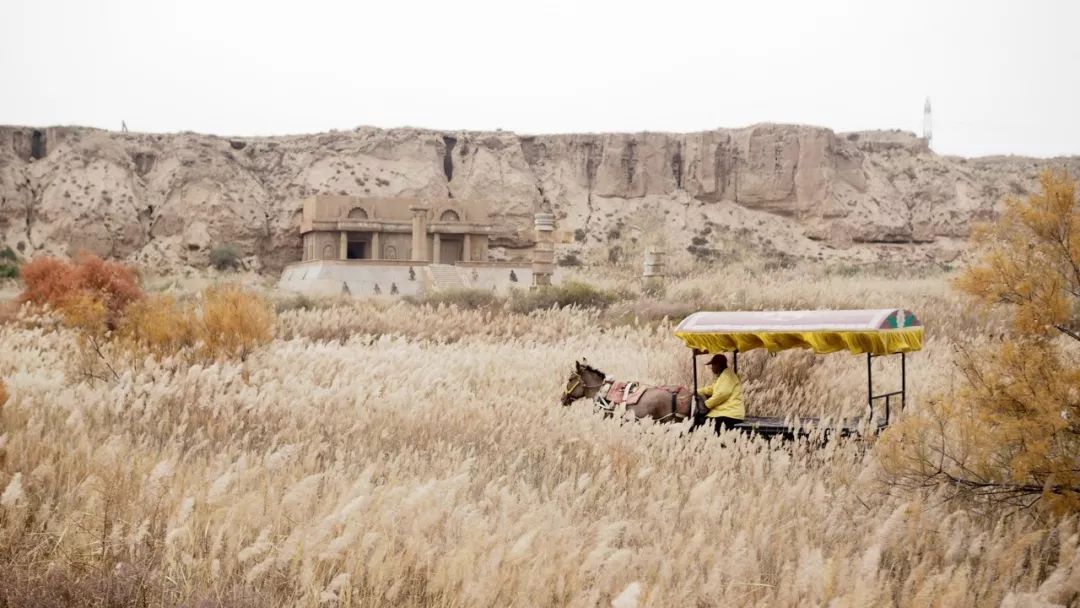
x,y
165,201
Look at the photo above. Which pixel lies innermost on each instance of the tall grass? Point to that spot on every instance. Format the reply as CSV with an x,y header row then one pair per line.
x,y
385,454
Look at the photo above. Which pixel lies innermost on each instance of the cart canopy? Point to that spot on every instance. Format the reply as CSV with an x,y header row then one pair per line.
x,y
879,332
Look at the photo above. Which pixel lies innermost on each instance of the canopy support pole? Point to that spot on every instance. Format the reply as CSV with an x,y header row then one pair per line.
x,y
903,380
693,398
870,383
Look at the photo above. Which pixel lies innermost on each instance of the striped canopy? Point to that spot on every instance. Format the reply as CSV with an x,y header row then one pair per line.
x,y
880,332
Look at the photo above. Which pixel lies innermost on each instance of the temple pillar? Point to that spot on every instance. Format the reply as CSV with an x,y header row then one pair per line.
x,y
466,251
419,233
436,248
543,258
343,245
654,262
376,246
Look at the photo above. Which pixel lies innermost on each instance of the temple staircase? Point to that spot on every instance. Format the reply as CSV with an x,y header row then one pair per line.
x,y
445,276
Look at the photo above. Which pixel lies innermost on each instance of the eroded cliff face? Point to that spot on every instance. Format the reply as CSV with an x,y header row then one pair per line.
x,y
165,201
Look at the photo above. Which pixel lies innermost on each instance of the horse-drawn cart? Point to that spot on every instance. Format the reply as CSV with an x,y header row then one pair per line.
x,y
875,333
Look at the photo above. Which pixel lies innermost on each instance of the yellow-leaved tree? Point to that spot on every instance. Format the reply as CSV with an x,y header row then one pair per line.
x,y
225,322
1010,433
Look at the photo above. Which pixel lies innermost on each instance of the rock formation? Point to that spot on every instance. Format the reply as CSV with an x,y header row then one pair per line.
x,y
165,201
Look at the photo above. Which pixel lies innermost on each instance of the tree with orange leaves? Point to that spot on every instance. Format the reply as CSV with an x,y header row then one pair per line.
x,y
1011,432
88,289
117,323
91,296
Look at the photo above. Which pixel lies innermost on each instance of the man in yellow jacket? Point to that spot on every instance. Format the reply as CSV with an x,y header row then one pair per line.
x,y
723,400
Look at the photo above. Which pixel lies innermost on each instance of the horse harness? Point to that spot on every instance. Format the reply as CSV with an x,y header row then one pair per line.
x,y
604,402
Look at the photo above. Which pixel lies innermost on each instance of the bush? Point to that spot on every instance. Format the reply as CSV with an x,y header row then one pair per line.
x,y
569,260
573,293
160,326
88,289
1009,432
225,257
464,298
9,264
297,302
227,321
234,322
654,288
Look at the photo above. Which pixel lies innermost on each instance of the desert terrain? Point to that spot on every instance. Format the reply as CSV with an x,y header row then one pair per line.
x,y
790,192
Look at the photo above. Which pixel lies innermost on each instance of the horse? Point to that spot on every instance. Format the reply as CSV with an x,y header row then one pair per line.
x,y
661,403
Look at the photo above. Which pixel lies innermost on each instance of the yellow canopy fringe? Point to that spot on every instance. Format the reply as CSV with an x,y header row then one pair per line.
x,y
878,342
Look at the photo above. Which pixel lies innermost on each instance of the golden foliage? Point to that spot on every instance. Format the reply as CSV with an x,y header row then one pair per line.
x,y
1031,259
234,322
102,301
85,312
225,322
1011,430
159,326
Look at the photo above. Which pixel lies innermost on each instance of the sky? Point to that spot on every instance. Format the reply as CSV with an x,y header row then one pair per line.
x,y
1003,77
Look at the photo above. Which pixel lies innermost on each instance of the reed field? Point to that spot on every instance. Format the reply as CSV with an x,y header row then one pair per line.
x,y
390,453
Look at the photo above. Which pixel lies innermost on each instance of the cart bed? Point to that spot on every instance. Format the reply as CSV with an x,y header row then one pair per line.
x,y
776,426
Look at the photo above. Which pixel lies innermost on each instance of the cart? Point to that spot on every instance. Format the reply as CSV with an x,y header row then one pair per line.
x,y
874,333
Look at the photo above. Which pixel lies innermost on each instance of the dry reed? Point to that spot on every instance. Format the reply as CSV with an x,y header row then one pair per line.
x,y
387,454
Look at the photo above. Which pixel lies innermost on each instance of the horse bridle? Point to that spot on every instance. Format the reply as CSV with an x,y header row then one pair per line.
x,y
580,381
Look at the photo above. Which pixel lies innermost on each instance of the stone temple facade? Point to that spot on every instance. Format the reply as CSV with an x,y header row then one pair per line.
x,y
444,231
397,246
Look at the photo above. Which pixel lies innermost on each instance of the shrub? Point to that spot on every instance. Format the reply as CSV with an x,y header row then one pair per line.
x,y
234,321
9,264
569,260
647,311
573,293
113,283
297,302
654,288
160,326
615,254
88,289
47,281
225,257
1009,432
464,298
227,321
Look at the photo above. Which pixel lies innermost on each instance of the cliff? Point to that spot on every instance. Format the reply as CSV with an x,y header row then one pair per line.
x,y
165,201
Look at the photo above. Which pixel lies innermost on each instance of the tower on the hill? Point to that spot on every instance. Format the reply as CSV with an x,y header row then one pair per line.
x,y
927,123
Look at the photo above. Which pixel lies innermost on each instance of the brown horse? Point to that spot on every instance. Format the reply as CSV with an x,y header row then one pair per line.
x,y
661,403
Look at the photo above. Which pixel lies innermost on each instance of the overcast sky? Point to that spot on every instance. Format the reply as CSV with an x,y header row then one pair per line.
x,y
1003,77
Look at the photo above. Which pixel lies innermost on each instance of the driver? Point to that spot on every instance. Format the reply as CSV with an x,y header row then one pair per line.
x,y
723,400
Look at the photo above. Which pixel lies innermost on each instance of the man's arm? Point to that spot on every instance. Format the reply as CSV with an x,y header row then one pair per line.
x,y
720,393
